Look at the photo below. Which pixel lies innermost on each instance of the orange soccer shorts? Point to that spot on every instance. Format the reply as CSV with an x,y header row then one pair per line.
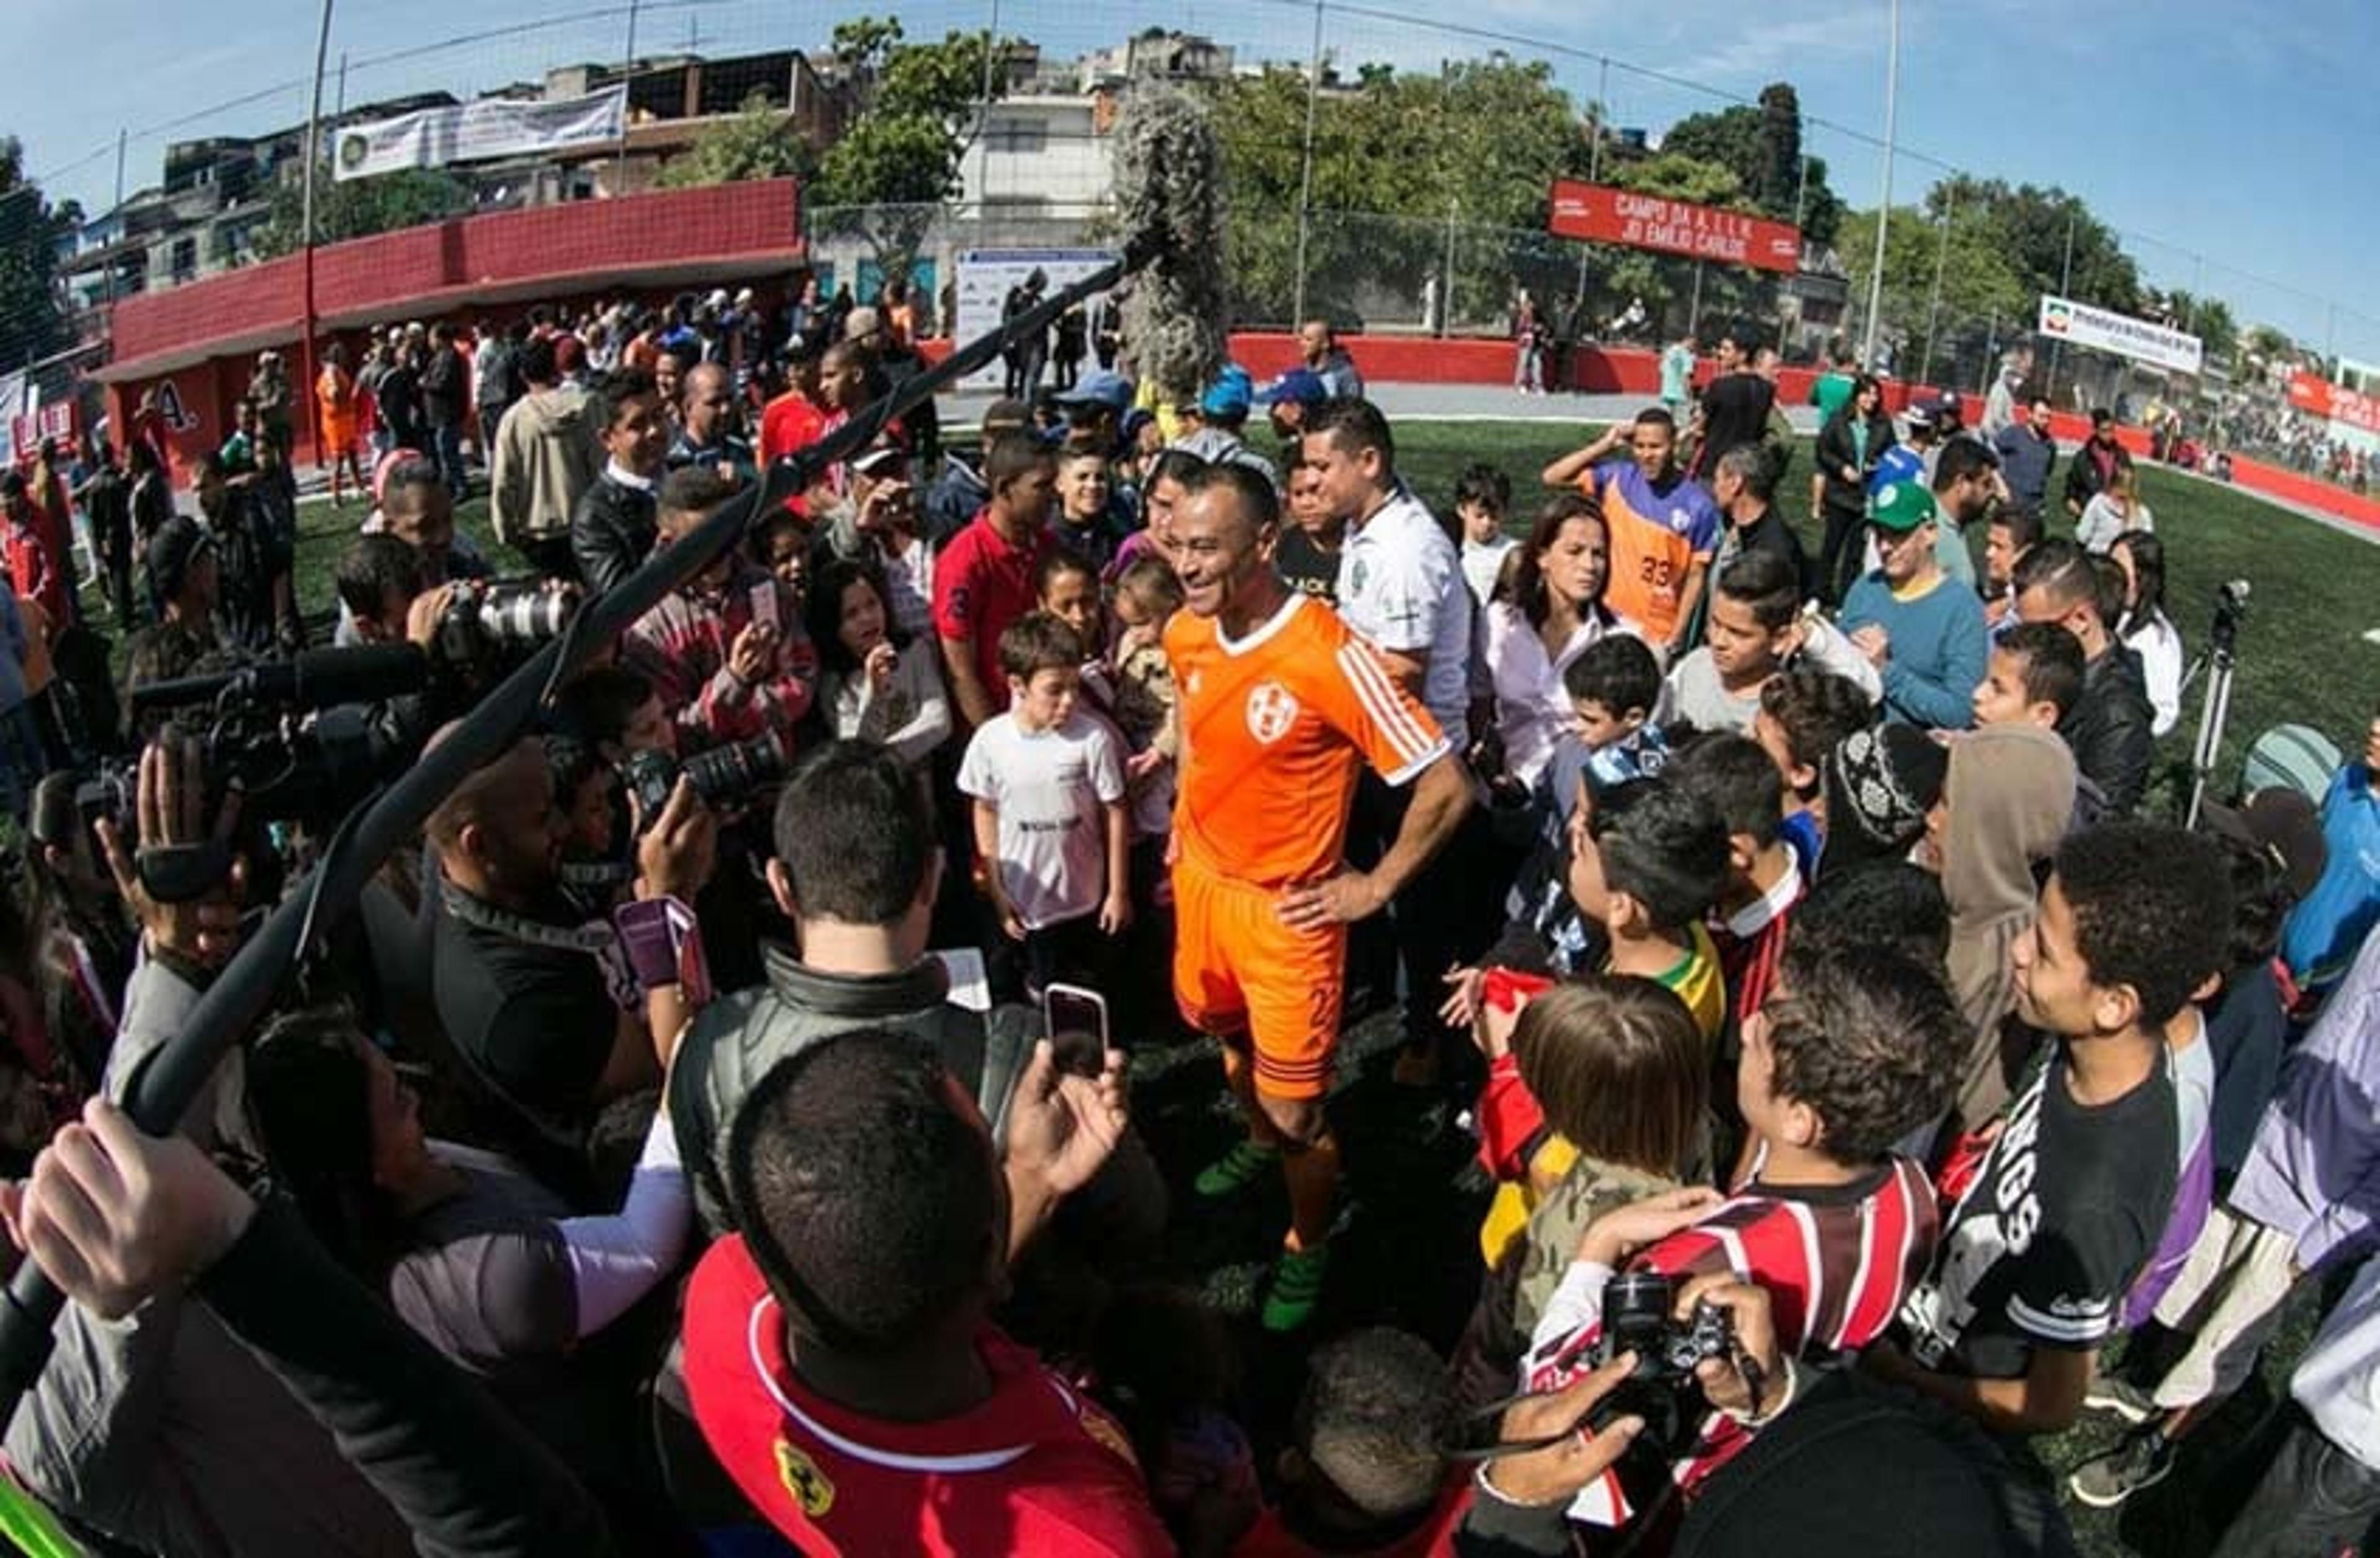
x,y
1238,969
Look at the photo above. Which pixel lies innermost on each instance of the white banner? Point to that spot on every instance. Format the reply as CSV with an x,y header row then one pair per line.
x,y
493,127
986,277
2159,346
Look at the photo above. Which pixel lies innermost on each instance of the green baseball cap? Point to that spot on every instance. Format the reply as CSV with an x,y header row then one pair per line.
x,y
1902,506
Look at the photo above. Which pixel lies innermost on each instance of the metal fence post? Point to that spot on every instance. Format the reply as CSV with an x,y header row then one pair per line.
x,y
1305,168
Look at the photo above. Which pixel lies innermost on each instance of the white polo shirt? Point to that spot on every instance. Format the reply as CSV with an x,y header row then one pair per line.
x,y
1400,585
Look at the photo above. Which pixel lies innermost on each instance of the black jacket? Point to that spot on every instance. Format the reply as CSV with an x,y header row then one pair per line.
x,y
442,384
611,532
1835,450
2110,728
2083,482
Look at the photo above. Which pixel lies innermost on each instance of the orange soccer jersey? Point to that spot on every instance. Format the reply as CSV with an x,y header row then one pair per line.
x,y
1275,730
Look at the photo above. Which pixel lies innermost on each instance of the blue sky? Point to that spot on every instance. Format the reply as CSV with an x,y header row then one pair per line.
x,y
2214,135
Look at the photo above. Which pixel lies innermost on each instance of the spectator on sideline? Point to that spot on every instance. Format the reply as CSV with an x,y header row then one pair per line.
x,y
615,524
445,396
1665,528
1851,442
2333,920
2111,723
1745,488
2064,1205
2010,536
2145,630
2026,452
1550,613
1318,344
984,576
1678,379
1921,630
548,454
2114,510
2096,467
706,432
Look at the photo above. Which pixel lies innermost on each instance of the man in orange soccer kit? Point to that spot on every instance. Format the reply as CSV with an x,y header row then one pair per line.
x,y
1281,704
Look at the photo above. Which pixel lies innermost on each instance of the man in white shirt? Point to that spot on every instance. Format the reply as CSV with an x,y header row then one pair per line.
x,y
1401,586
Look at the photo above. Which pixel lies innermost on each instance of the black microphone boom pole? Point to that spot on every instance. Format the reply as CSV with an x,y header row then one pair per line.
x,y
244,990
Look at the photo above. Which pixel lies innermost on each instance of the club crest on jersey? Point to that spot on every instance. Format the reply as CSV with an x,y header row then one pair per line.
x,y
1272,709
810,1487
1681,521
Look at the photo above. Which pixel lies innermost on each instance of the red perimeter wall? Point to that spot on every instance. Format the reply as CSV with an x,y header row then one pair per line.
x,y
461,269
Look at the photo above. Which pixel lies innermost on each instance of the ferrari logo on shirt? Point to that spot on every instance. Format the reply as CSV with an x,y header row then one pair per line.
x,y
1272,709
804,1480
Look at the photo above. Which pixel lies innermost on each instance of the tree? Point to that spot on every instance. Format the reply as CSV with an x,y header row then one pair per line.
x,y
2034,227
1402,165
1762,146
1982,294
916,104
2209,319
757,142
31,324
357,207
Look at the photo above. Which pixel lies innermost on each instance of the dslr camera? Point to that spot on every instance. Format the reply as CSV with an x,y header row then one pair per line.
x,y
1639,1310
725,777
485,622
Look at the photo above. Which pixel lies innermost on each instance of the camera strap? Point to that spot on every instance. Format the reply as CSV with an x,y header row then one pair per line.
x,y
595,939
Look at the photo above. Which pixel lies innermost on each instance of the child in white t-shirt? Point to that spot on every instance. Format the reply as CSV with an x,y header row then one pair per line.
x,y
1483,495
1051,822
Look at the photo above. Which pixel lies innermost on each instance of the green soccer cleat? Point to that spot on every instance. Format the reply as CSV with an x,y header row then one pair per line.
x,y
1296,1288
1244,1165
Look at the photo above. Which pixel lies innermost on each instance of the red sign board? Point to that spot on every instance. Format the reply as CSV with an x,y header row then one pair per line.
x,y
1599,214
2318,396
56,420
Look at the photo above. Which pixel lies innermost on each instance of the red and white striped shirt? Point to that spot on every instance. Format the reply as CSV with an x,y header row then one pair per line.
x,y
1835,1262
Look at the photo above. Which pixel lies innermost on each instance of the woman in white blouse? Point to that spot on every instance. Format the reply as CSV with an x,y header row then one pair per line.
x,y
1549,610
2145,630
875,682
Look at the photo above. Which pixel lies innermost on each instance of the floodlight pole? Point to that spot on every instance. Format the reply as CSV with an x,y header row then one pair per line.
x,y
301,393
1306,176
1884,202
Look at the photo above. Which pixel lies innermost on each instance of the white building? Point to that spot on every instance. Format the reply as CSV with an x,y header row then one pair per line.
x,y
1040,155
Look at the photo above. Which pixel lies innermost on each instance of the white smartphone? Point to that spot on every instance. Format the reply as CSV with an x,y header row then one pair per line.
x,y
1076,1020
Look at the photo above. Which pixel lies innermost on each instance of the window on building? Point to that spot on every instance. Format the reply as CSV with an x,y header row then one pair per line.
x,y
186,259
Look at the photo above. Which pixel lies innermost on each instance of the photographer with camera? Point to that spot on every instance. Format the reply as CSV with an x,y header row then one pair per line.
x,y
726,651
415,508
1852,1051
555,1016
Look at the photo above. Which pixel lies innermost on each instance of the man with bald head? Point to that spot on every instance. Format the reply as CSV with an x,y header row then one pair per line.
x,y
706,427
554,1016
1282,706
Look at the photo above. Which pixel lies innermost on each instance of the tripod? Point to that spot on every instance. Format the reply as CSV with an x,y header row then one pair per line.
x,y
2218,662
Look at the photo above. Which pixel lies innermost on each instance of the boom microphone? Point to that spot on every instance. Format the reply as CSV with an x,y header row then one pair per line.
x,y
320,678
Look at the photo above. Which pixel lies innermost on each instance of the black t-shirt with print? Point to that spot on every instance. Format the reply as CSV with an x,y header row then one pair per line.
x,y
1307,567
2067,1208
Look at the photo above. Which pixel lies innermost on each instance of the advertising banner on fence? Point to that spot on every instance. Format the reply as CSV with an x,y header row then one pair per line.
x,y
493,127
2317,397
1599,214
2079,324
987,276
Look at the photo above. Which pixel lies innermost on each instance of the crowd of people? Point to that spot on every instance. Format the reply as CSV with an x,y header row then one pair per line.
x,y
718,1134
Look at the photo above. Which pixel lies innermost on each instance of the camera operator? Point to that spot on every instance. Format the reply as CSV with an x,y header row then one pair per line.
x,y
156,1427
726,651
551,1014
385,593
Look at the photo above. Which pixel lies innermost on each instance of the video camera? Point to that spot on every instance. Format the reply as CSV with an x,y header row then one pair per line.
x,y
2230,610
305,738
723,776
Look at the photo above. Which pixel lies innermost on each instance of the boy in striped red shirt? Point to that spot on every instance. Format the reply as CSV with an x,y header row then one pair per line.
x,y
1852,1051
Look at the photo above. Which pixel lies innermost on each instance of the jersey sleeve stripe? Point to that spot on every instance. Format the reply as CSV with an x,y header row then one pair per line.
x,y
1372,688
2084,1329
